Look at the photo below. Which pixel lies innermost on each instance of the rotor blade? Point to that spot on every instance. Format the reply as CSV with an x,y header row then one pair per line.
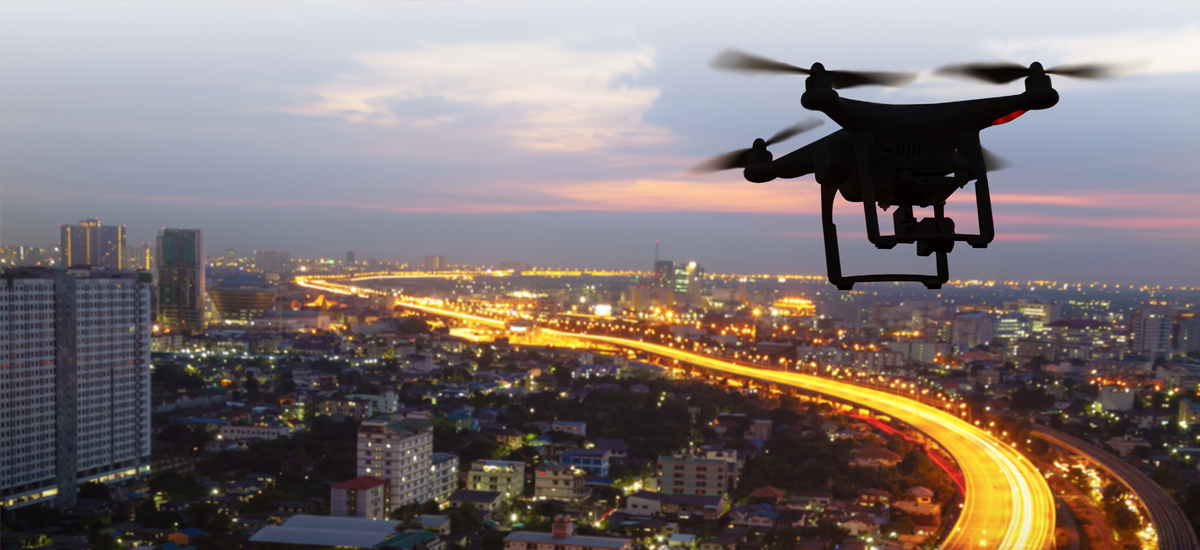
x,y
996,73
734,60
1097,70
850,79
792,131
994,162
732,159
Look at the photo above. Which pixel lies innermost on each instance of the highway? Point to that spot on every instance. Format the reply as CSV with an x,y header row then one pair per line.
x,y
1008,504
1172,526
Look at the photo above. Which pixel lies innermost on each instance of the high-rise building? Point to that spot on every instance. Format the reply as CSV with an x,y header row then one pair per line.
x,y
971,329
1150,330
433,263
350,257
1187,339
272,260
401,451
89,243
74,381
1039,313
181,289
664,273
443,480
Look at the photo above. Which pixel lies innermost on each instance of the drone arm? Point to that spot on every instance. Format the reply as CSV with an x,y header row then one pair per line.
x,y
792,165
797,163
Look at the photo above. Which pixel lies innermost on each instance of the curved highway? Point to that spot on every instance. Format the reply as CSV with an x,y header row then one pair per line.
x,y
1007,504
1172,526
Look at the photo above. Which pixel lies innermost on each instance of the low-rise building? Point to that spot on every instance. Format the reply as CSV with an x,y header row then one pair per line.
x,y
503,476
486,503
267,431
688,475
562,536
364,496
566,426
873,457
919,502
559,482
437,524
304,532
593,461
649,503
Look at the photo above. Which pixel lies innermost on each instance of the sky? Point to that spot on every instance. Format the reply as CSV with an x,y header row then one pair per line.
x,y
561,133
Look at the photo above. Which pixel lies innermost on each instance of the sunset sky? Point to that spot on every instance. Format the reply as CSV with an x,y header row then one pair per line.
x,y
561,133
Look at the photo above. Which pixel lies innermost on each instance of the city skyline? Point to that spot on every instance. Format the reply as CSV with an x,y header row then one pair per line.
x,y
539,136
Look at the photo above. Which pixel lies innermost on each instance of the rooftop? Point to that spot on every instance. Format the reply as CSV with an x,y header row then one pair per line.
x,y
364,482
575,540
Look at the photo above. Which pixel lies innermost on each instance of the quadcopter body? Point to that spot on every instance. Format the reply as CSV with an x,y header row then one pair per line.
x,y
896,155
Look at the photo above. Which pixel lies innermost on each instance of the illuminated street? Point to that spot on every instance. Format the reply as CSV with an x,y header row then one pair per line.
x,y
1008,503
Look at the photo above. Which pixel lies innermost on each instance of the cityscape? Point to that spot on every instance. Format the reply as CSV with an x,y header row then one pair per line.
x,y
476,276
162,395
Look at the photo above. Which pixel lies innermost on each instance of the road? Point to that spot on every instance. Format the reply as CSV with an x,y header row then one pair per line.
x,y
1007,503
1069,529
1173,529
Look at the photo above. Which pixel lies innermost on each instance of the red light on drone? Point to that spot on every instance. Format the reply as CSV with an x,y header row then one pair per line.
x,y
1007,118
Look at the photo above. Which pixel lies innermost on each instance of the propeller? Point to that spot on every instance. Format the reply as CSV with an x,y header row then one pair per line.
x,y
739,158
1005,72
995,162
734,60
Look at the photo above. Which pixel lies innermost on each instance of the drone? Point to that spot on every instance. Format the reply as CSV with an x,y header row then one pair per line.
x,y
896,155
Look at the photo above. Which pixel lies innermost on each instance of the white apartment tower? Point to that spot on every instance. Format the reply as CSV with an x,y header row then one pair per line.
x,y
401,451
74,381
1151,330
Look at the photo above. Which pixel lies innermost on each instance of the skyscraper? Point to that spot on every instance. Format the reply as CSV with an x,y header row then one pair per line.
x,y
75,382
1150,330
89,243
664,273
181,265
434,263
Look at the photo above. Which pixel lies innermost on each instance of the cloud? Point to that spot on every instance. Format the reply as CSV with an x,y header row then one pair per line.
x,y
1182,203
533,95
1168,51
664,195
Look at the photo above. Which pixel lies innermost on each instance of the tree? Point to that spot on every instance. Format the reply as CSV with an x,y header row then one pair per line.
x,y
492,542
252,384
463,518
405,514
831,529
209,517
562,375
781,539
150,516
105,541
176,485
414,325
216,542
901,524
95,491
